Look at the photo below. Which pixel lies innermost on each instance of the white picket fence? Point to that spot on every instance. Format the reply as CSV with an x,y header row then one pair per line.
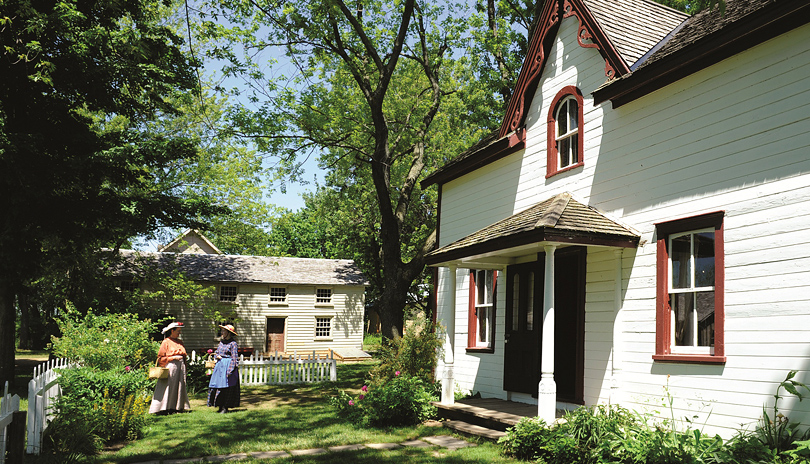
x,y
278,370
8,406
43,390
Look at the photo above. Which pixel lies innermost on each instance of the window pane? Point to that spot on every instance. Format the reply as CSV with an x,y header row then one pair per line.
x,y
681,263
564,151
705,318
574,155
562,121
530,304
483,282
572,114
683,316
704,259
483,324
515,302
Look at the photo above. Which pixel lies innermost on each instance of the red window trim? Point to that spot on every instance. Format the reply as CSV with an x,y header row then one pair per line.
x,y
472,320
552,160
663,334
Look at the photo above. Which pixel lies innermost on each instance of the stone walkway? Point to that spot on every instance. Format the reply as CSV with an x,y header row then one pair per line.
x,y
444,441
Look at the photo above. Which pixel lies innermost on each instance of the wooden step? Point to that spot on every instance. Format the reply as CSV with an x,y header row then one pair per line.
x,y
472,430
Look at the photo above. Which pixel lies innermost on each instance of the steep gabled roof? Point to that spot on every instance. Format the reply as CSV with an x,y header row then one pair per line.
x,y
560,219
247,269
635,26
621,30
703,40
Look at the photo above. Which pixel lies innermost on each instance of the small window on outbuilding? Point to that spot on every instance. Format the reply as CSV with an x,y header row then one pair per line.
x,y
323,327
323,296
227,293
278,295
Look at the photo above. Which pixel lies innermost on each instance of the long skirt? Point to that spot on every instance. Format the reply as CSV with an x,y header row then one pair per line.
x,y
224,391
170,393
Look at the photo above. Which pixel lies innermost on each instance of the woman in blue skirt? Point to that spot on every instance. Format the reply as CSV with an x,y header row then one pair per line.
x,y
223,389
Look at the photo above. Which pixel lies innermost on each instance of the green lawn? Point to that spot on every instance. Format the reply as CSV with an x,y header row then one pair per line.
x,y
285,418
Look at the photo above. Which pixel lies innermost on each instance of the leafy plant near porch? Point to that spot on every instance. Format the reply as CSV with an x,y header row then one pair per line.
x,y
612,435
400,390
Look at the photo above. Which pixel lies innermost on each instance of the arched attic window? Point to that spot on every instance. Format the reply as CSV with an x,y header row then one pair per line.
x,y
565,132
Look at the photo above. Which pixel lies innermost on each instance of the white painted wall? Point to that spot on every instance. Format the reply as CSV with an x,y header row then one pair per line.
x,y
734,137
253,307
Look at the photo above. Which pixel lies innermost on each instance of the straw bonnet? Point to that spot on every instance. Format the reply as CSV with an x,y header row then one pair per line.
x,y
171,326
229,328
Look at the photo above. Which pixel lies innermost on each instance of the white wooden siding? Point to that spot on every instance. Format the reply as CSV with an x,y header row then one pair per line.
x,y
734,137
253,308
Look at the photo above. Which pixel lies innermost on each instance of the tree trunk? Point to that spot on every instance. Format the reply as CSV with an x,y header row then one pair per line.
x,y
25,320
7,336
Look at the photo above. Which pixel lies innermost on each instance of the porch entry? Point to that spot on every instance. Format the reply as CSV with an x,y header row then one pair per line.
x,y
524,323
275,334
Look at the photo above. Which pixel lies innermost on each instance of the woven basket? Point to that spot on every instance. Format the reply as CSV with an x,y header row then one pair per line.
x,y
157,372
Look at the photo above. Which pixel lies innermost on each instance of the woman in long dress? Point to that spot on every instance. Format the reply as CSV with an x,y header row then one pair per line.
x,y
171,395
223,388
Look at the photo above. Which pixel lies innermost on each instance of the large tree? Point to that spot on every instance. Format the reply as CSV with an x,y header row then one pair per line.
x,y
80,80
366,90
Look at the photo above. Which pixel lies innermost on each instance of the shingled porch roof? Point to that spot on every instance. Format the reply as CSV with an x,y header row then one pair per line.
x,y
560,219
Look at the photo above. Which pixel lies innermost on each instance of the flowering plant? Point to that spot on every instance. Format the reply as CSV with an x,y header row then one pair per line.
x,y
403,400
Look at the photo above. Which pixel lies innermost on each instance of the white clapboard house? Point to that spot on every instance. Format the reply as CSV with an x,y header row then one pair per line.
x,y
640,224
280,304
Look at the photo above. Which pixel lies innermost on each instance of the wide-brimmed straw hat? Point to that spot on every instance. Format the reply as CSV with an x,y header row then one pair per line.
x,y
230,329
173,325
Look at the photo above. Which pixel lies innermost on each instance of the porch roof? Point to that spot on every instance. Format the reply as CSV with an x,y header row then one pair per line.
x,y
560,219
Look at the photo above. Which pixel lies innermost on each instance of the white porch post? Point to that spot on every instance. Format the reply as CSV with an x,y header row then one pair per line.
x,y
448,379
616,365
547,389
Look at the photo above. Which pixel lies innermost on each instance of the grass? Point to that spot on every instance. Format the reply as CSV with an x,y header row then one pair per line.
x,y
273,418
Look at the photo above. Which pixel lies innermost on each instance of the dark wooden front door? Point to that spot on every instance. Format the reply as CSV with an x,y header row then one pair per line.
x,y
524,322
275,334
524,313
569,327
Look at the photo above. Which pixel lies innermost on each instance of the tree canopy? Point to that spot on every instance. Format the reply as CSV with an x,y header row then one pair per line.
x,y
81,81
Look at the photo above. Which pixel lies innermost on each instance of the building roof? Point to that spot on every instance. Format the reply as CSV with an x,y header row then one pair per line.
x,y
250,269
635,26
191,241
703,40
559,219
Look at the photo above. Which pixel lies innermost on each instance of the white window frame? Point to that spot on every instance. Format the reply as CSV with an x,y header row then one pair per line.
x,y
223,298
277,299
323,300
321,323
484,307
567,158
691,289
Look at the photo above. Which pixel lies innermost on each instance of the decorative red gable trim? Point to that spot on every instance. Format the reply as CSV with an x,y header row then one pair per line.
x,y
540,47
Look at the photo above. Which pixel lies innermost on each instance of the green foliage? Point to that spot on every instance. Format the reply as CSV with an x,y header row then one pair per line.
x,y
106,341
113,402
68,440
775,430
528,439
197,376
416,353
401,400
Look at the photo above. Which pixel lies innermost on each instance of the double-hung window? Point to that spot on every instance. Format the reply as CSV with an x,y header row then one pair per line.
x,y
690,268
278,295
227,293
481,320
565,132
323,296
323,327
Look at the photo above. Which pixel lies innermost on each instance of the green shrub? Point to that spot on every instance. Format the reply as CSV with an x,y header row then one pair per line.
x,y
107,341
402,400
115,404
416,353
528,440
197,376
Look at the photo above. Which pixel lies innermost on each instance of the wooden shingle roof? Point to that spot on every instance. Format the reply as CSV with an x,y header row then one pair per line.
x,y
249,269
558,219
635,26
